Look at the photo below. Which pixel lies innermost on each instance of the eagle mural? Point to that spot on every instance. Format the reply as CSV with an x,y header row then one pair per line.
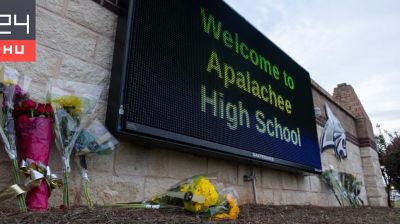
x,y
334,135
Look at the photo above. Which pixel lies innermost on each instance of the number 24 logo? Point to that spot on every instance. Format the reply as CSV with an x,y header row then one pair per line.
x,y
9,23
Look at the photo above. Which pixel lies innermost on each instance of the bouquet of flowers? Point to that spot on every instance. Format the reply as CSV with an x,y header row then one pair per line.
x,y
34,136
226,207
345,187
73,103
197,194
94,139
9,88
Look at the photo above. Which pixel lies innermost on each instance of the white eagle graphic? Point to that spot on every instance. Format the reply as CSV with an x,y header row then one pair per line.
x,y
334,135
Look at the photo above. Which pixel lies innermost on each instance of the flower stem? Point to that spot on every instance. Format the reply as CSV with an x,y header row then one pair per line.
x,y
66,190
17,180
87,193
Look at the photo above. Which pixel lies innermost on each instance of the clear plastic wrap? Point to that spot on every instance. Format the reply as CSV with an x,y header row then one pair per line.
x,y
10,85
11,82
200,194
93,139
73,103
345,186
227,207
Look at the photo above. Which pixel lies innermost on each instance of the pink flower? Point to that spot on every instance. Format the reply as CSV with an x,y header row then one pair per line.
x,y
28,105
48,109
40,108
19,93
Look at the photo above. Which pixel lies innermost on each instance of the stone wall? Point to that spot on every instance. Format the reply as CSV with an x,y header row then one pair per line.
x,y
75,42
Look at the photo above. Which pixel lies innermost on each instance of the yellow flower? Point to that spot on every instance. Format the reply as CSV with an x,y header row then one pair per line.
x,y
8,82
72,104
184,188
200,186
233,212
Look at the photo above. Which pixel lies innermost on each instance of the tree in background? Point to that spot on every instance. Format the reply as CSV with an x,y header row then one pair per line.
x,y
389,158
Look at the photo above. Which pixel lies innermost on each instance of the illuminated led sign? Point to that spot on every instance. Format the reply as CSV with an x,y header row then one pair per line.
x,y
195,73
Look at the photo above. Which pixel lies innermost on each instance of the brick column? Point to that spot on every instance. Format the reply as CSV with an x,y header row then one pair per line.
x,y
347,97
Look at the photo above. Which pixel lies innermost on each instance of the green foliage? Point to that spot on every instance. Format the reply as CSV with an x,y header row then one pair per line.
x,y
389,158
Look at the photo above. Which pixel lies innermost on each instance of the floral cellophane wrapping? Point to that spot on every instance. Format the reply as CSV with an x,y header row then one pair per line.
x,y
11,82
93,140
73,104
345,186
34,142
200,194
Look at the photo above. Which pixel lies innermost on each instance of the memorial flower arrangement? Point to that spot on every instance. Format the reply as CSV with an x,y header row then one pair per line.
x,y
230,209
26,130
198,194
227,207
73,103
345,186
9,79
92,140
203,188
26,125
34,135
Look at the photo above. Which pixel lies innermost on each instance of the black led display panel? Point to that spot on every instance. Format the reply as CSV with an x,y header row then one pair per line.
x,y
195,73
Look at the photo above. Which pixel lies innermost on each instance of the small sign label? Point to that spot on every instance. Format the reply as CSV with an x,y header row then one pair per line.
x,y
17,30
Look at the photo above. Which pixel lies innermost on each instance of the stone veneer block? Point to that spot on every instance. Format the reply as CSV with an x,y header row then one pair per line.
x,y
90,15
226,171
245,170
294,198
3,155
45,66
6,178
77,70
100,163
156,161
104,52
183,165
374,192
289,181
315,183
271,178
314,198
55,162
370,180
61,35
369,168
128,160
303,183
266,197
101,110
156,185
246,194
119,189
366,152
381,201
56,6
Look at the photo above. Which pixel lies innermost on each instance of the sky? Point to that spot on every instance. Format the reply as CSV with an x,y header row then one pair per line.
x,y
337,41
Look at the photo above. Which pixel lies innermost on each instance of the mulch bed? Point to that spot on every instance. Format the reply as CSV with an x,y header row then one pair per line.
x,y
249,214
